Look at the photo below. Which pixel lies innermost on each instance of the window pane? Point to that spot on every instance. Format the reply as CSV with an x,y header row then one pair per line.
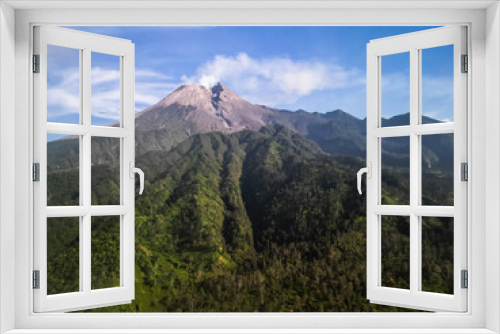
x,y
437,254
105,78
395,171
63,170
437,169
63,255
105,252
105,171
395,90
437,84
396,252
63,85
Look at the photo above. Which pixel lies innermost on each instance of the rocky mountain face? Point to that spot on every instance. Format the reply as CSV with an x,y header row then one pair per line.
x,y
195,109
198,109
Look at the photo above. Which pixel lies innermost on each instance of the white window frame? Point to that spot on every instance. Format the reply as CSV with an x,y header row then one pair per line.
x,y
484,308
413,44
86,44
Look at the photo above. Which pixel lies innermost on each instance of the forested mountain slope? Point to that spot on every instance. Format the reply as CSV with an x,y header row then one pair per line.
x,y
251,221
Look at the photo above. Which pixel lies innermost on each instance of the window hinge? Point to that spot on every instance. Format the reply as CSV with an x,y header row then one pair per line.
x,y
36,279
465,64
36,63
465,279
464,170
36,172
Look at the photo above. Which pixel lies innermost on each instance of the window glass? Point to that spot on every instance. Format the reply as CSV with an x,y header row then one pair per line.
x,y
395,171
395,89
437,254
63,252
63,85
105,156
437,84
437,169
105,252
63,170
105,79
396,252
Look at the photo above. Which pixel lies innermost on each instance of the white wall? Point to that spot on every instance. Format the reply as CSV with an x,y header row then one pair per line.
x,y
7,164
492,165
221,16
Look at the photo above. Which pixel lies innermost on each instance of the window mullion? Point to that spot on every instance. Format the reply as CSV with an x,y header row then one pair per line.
x,y
418,177
86,258
86,168
81,182
420,129
414,172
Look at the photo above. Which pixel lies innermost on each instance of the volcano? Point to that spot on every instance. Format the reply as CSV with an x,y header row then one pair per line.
x,y
198,109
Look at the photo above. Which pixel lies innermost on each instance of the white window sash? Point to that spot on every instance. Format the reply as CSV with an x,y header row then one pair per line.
x,y
415,297
87,43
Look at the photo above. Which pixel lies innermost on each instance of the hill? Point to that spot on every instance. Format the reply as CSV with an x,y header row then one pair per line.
x,y
250,221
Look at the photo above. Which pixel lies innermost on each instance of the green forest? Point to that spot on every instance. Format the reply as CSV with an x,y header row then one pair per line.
x,y
253,221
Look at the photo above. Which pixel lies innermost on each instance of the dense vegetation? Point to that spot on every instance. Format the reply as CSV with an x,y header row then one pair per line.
x,y
252,221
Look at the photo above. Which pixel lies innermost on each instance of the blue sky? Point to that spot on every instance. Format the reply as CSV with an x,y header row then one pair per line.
x,y
312,68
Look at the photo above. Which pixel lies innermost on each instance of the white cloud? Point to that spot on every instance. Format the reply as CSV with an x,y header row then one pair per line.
x,y
101,75
144,73
63,97
58,96
273,81
270,81
63,91
278,82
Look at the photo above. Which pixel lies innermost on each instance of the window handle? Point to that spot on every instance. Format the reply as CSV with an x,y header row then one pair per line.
x,y
135,170
368,171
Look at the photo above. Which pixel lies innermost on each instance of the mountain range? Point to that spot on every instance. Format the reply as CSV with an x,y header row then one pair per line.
x,y
195,109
